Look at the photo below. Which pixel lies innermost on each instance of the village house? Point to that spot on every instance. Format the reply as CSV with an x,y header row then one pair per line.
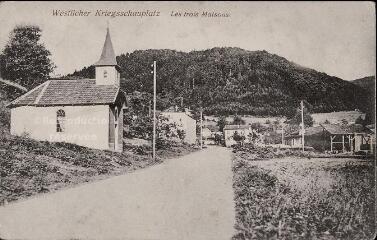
x,y
87,112
208,134
313,138
334,138
230,130
183,121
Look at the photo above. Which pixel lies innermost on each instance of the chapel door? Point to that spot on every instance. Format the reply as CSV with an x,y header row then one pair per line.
x,y
116,129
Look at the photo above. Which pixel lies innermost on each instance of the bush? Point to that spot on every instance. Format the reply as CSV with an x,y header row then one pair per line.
x,y
4,116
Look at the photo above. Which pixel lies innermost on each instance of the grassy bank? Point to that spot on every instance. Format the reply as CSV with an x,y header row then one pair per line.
x,y
29,167
296,198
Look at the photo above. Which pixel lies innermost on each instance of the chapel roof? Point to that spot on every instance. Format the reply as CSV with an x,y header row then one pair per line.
x,y
69,92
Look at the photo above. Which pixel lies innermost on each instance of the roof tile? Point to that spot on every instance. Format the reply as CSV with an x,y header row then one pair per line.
x,y
69,92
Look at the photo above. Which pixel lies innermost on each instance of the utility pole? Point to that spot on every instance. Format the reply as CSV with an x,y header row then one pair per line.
x,y
302,126
149,108
282,134
154,110
201,128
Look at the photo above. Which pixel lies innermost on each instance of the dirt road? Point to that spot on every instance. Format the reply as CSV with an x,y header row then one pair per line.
x,y
186,198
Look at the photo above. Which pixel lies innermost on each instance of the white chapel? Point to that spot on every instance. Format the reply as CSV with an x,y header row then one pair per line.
x,y
87,112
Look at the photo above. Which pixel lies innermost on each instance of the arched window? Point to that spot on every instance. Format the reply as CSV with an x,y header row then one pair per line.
x,y
116,117
60,121
105,74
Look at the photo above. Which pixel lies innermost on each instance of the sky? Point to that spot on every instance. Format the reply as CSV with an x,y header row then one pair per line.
x,y
338,38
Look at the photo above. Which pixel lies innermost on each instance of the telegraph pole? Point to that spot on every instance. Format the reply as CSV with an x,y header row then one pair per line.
x,y
302,126
154,110
282,134
201,128
149,108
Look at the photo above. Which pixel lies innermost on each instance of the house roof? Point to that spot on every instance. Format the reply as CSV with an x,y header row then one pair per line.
x,y
308,132
337,129
371,128
212,128
69,92
108,56
334,129
349,129
235,127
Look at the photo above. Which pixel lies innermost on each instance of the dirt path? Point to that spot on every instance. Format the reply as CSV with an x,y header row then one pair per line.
x,y
186,198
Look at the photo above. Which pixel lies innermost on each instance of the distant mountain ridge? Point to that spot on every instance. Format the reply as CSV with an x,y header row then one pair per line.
x,y
368,83
235,81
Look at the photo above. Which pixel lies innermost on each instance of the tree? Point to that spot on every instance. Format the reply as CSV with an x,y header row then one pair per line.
x,y
27,60
308,120
221,123
218,139
181,134
237,120
238,137
259,127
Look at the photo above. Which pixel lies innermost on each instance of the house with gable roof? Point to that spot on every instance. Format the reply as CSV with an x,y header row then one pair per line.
x,y
335,138
230,130
183,121
87,112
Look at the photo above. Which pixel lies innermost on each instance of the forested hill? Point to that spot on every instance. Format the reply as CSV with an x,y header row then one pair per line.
x,y
233,80
368,83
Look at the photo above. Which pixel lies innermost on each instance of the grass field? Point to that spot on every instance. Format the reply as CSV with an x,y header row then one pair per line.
x,y
336,117
297,198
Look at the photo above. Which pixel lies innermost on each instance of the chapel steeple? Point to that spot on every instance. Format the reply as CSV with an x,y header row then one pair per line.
x,y
106,67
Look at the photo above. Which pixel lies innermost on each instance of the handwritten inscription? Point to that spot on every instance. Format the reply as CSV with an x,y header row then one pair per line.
x,y
136,13
198,14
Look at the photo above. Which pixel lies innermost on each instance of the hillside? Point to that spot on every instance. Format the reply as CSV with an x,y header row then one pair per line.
x,y
368,83
233,80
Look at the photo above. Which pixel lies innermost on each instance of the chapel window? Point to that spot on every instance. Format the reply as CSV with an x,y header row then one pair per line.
x,y
60,121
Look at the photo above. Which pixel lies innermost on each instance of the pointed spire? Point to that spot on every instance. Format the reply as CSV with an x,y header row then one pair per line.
x,y
108,56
